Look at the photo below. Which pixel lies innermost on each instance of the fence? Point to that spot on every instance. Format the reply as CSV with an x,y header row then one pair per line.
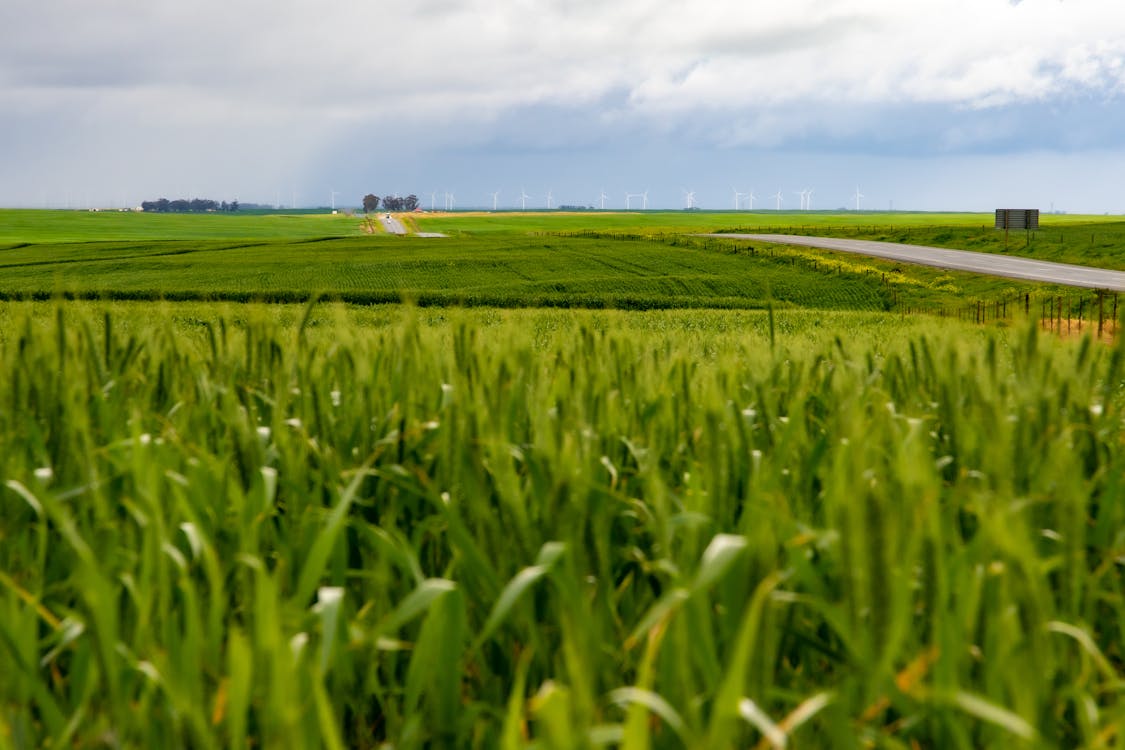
x,y
1071,313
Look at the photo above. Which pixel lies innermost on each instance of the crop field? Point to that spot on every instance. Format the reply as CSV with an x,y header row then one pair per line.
x,y
20,227
532,260
598,484
336,526
514,272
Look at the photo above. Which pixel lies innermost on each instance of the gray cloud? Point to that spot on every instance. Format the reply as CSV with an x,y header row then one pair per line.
x,y
249,96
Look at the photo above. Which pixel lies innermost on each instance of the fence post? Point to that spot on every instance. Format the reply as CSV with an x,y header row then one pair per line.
x,y
1101,313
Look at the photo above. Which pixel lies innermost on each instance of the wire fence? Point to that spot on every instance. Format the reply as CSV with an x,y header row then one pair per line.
x,y
1071,313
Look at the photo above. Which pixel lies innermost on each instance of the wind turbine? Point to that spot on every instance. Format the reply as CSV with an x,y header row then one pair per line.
x,y
778,197
644,201
449,199
495,197
804,195
689,198
808,199
750,197
858,195
433,200
603,197
629,200
523,199
550,197
333,197
737,197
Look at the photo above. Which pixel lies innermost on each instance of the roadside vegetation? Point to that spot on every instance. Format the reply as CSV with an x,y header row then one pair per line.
x,y
1099,243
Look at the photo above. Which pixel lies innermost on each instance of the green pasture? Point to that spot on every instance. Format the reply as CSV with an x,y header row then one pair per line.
x,y
36,227
499,260
709,221
19,226
518,271
288,526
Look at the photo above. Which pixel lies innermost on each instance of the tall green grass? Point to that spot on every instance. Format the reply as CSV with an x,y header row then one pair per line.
x,y
556,530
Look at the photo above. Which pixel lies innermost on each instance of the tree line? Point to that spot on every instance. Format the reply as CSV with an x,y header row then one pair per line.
x,y
390,203
184,206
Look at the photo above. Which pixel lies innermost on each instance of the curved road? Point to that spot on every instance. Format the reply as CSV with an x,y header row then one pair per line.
x,y
957,260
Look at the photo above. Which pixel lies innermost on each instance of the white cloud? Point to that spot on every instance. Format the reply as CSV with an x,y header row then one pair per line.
x,y
670,55
282,78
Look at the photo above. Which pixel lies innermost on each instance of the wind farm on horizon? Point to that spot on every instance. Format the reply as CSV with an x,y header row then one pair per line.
x,y
640,200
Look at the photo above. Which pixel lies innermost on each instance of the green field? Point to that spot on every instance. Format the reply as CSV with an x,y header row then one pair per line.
x,y
19,227
627,261
484,521
516,271
344,526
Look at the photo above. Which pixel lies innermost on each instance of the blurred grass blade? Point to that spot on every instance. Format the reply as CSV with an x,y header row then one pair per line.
x,y
717,559
549,554
329,601
512,733
757,718
984,710
418,601
313,569
628,696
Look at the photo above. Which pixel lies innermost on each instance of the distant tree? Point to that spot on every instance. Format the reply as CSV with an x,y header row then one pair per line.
x,y
370,203
410,203
182,205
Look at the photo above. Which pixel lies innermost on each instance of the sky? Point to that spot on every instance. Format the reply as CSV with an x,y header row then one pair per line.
x,y
916,105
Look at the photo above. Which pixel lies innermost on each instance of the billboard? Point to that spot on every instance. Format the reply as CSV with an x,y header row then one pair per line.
x,y
1017,218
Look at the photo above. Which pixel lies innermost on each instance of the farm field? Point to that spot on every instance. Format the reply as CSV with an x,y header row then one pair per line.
x,y
50,227
339,526
620,261
515,271
601,484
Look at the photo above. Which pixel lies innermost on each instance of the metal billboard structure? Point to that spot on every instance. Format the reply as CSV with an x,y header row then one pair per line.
x,y
1026,219
1017,218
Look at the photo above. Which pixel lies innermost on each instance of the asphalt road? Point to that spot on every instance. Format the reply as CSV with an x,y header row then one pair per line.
x,y
392,225
957,260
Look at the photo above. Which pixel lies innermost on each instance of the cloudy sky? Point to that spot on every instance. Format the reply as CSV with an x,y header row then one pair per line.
x,y
922,104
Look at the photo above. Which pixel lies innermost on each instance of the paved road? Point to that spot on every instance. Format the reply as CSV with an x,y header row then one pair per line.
x,y
957,260
392,225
